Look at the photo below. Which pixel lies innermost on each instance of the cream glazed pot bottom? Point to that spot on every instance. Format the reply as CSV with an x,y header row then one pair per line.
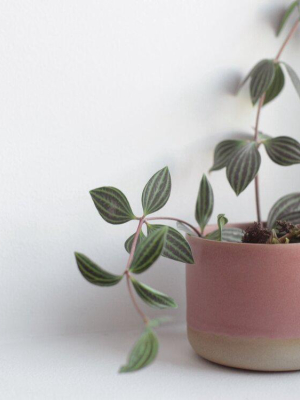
x,y
243,304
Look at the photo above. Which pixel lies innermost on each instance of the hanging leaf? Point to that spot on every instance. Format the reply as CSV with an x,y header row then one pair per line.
x,y
157,191
285,205
286,16
253,70
233,235
129,241
224,151
283,150
294,77
243,167
112,205
152,297
222,221
94,274
205,203
293,217
261,79
149,251
176,247
185,228
143,352
276,85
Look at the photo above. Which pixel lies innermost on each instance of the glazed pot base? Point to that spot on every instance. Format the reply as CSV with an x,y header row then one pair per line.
x,y
257,354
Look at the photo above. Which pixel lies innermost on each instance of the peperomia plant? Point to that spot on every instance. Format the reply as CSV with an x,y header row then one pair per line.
x,y
241,158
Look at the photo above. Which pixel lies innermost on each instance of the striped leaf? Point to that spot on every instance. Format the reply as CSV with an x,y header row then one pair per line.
x,y
261,79
243,167
149,251
294,77
224,151
129,241
234,235
176,247
152,297
283,150
182,227
94,274
285,205
112,205
257,66
157,191
293,217
286,16
276,85
143,352
205,203
222,221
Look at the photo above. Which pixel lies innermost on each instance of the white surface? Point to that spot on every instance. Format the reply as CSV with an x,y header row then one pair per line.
x,y
85,367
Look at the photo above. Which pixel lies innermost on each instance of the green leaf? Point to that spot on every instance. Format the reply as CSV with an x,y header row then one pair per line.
x,y
243,167
94,274
286,16
233,235
152,297
283,150
261,79
143,352
283,206
276,85
294,77
222,221
205,203
224,151
185,228
129,241
157,191
153,323
149,251
257,66
176,247
112,205
292,217
263,136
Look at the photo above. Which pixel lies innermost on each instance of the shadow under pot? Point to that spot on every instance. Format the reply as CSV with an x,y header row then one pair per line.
x,y
243,303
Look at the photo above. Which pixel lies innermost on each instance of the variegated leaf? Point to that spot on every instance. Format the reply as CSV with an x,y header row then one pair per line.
x,y
224,151
152,297
256,67
176,247
157,191
283,150
129,241
276,85
94,274
261,79
222,221
286,16
143,352
205,203
234,235
293,217
112,205
185,228
294,77
243,167
285,205
149,251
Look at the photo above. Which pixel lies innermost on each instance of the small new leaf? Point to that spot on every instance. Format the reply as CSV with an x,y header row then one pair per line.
x,y
283,150
286,16
205,203
284,206
129,241
243,167
112,205
149,251
157,191
294,77
152,297
176,247
94,274
143,352
276,85
233,235
222,221
261,79
224,152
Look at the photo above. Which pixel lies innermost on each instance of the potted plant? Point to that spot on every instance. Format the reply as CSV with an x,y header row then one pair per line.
x,y
243,286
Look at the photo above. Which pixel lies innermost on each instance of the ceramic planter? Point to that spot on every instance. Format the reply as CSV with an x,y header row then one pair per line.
x,y
243,304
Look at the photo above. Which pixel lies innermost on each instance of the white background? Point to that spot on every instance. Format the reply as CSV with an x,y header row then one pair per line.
x,y
107,92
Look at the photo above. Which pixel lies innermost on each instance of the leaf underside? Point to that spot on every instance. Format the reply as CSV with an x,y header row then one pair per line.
x,y
204,203
294,78
285,205
222,221
283,150
233,235
157,191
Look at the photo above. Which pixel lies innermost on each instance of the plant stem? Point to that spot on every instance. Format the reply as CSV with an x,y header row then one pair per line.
x,y
260,105
178,220
133,299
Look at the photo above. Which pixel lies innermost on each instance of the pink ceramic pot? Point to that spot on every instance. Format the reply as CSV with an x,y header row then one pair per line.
x,y
243,304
